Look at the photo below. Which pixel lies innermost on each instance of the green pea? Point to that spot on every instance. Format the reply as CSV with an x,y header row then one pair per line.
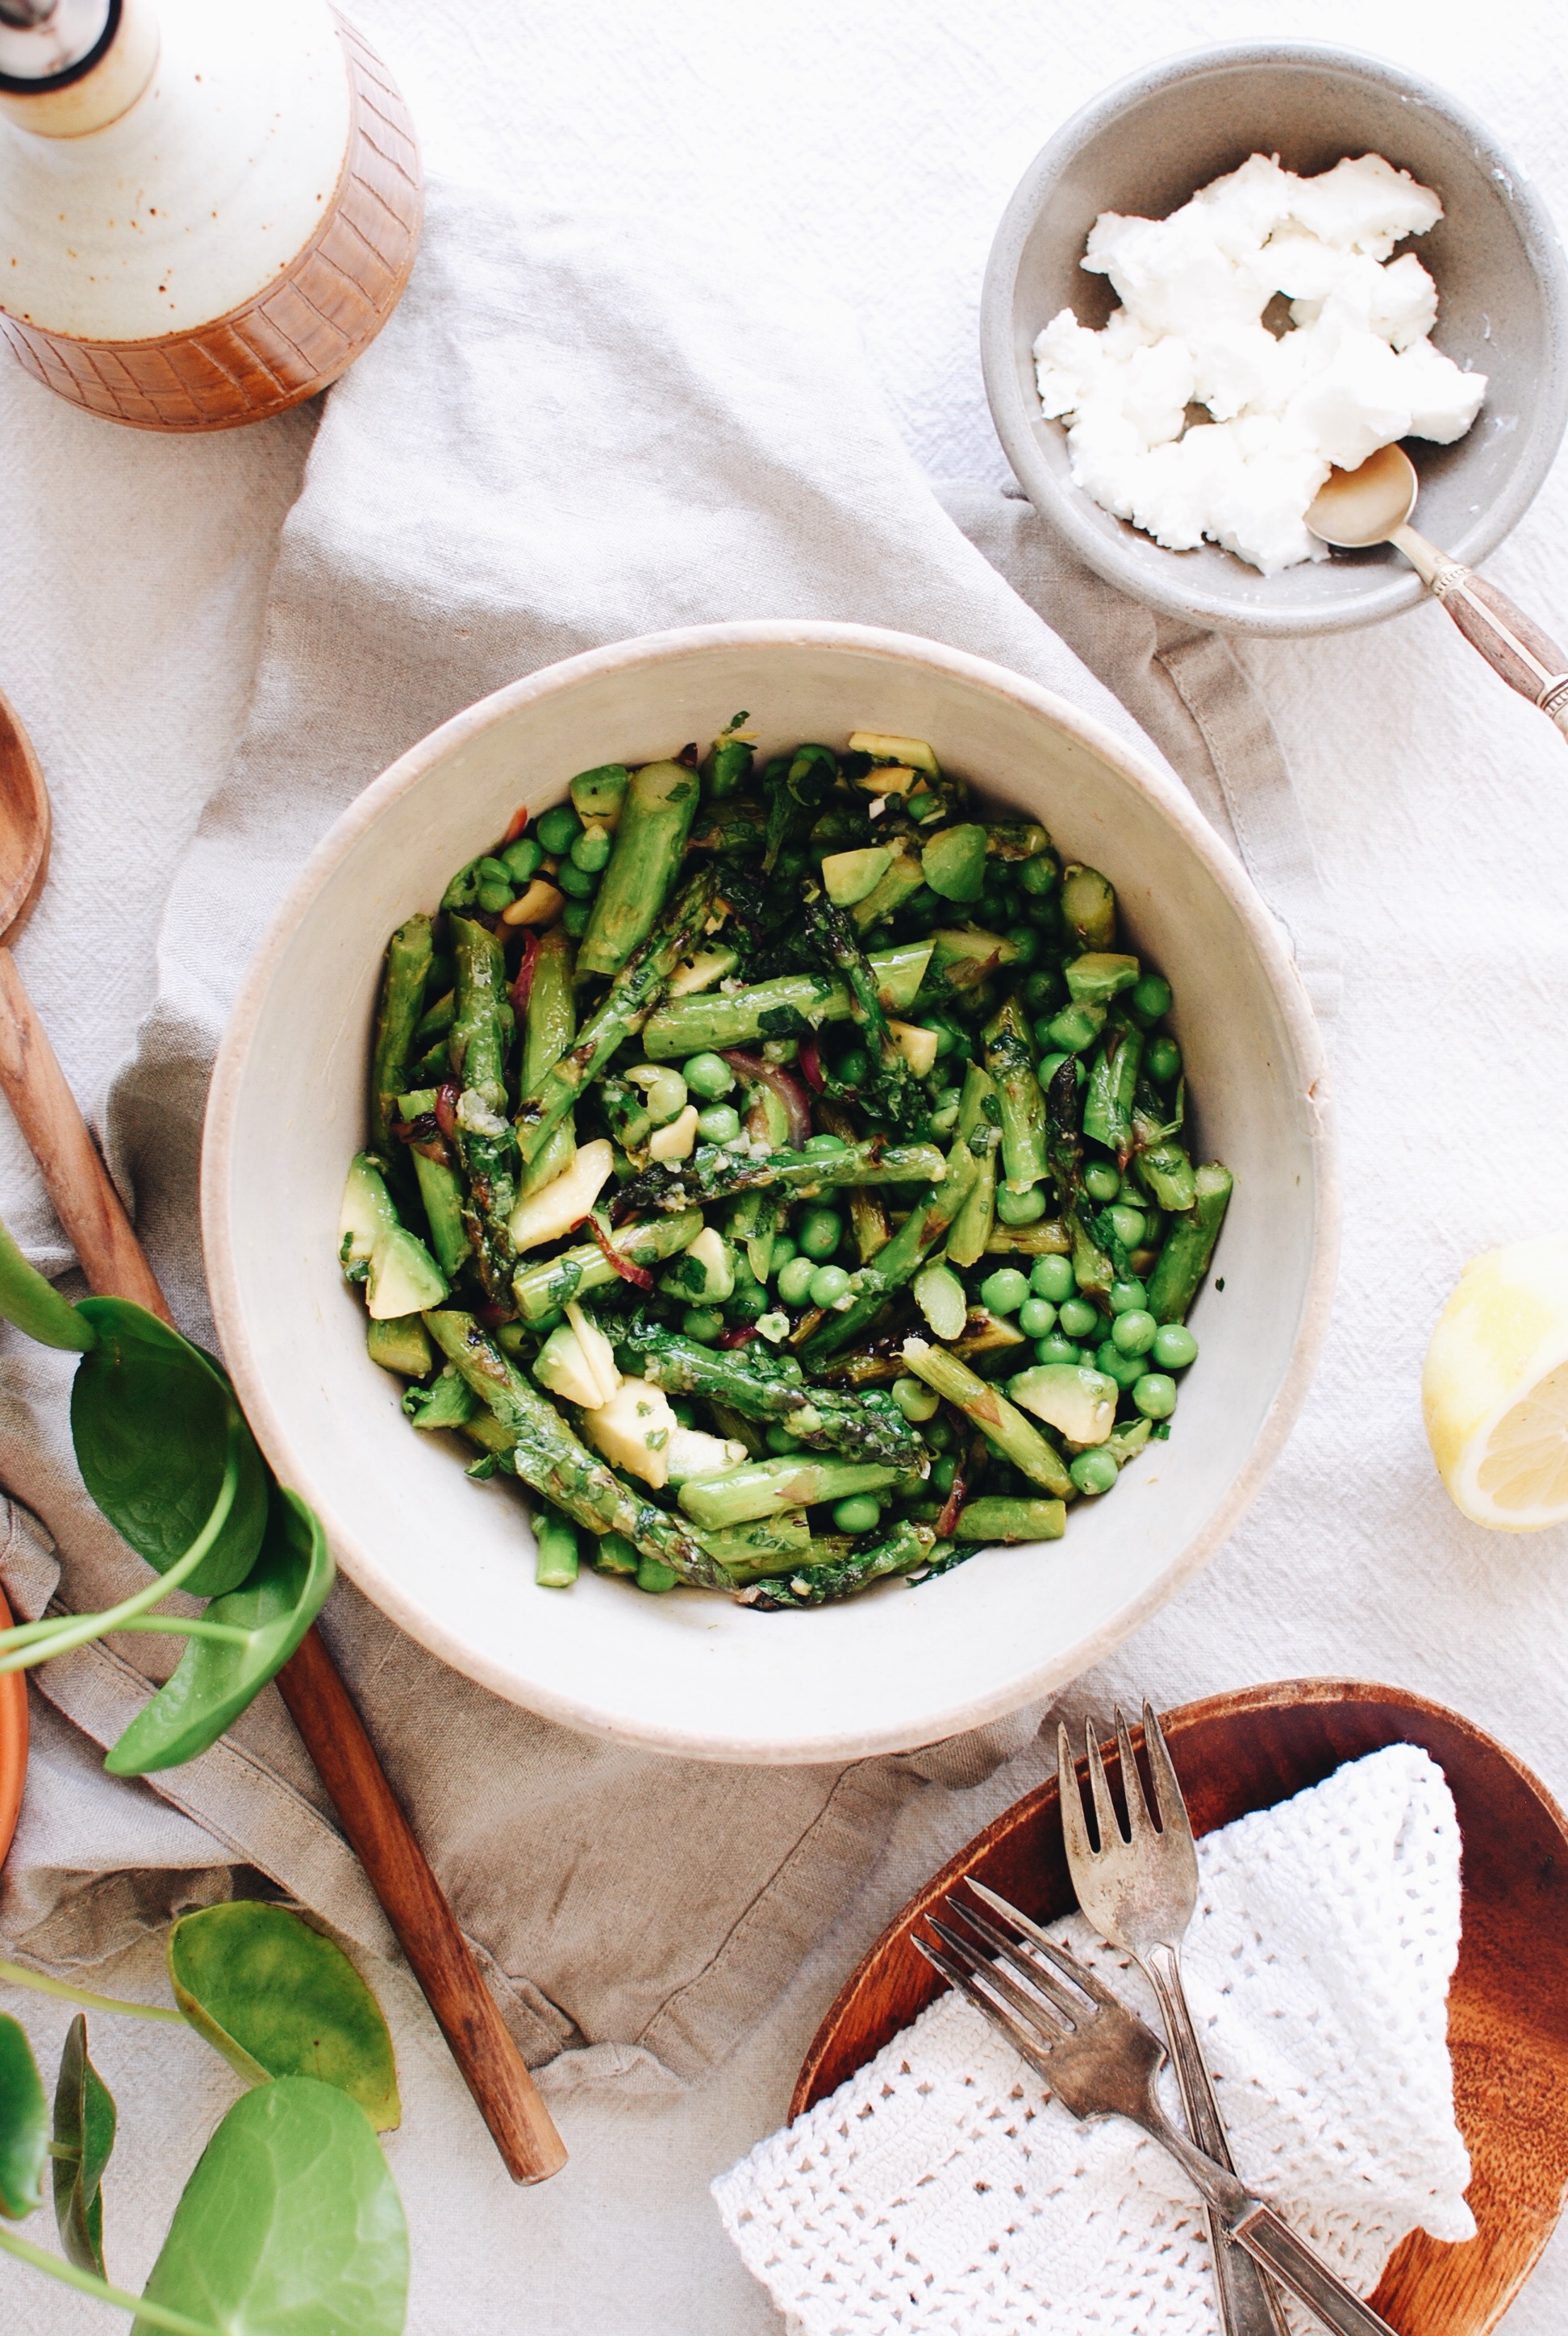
x,y
1020,1208
1055,1349
1004,1291
1095,1471
1048,1053
824,1143
718,1123
520,860
1125,1369
1128,1224
1047,917
783,1250
939,1434
1127,1297
1134,1332
1174,1347
1025,944
575,918
1163,1060
702,1324
915,1398
559,828
828,1283
943,1471
1036,1316
1102,1180
795,1281
1155,1396
591,850
946,1036
1077,1317
856,1068
1151,997
857,1514
493,898
576,881
780,1440
1038,876
708,1076
1043,991
495,871
1053,1278
818,1232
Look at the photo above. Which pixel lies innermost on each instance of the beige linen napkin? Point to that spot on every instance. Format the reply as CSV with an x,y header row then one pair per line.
x,y
564,437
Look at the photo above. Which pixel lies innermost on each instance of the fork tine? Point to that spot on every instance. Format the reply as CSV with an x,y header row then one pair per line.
x,y
1067,1964
1047,1981
1075,1831
1107,1823
1169,1798
1039,2017
1138,1824
1028,2046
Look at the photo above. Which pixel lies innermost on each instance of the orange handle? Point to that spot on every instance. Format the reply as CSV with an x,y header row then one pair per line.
x,y
115,1265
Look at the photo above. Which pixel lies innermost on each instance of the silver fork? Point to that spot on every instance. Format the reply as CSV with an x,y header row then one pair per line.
x,y
1100,2060
1139,1892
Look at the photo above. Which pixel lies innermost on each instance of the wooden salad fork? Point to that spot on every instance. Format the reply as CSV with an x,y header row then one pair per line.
x,y
115,1265
1139,1889
1100,2060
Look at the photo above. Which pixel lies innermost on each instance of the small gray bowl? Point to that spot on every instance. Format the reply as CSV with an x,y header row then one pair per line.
x,y
1143,148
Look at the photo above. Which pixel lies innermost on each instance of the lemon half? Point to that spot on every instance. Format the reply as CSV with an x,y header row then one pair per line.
x,y
1494,1387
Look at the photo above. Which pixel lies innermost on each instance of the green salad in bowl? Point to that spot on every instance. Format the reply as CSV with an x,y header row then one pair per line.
x,y
778,1167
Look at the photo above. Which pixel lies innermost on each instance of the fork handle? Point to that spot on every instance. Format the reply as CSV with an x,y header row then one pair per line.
x,y
1275,2246
1247,2305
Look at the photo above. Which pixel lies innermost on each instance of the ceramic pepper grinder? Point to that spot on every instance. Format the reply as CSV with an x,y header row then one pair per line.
x,y
208,207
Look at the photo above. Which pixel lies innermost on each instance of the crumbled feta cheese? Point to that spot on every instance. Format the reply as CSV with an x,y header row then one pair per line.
x,y
1355,370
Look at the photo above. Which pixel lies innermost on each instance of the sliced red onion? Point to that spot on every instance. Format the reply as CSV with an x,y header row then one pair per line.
x,y
740,1337
446,1097
636,1274
523,988
812,1064
789,1092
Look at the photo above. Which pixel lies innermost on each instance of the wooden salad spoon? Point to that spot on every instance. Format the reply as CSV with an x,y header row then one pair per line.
x,y
1356,508
115,1265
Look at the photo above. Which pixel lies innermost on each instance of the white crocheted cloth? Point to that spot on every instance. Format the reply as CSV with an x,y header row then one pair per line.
x,y
940,2192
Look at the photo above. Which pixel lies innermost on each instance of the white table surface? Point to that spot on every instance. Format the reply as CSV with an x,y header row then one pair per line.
x,y
875,145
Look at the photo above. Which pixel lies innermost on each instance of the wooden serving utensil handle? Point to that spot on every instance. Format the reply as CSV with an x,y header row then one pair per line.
x,y
115,1265
1512,643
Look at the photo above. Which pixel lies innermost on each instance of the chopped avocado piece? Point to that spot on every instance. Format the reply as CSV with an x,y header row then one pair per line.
x,y
633,1431
565,1369
849,876
701,972
940,1295
693,1452
1079,1403
599,794
902,878
914,751
366,1216
1089,906
704,1274
405,1279
448,1403
917,1045
1098,976
954,861
400,1343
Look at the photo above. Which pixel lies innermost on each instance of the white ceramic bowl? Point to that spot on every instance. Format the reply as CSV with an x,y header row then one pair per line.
x,y
1145,146
452,1561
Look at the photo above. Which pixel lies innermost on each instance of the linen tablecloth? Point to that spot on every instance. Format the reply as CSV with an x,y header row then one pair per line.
x,y
871,155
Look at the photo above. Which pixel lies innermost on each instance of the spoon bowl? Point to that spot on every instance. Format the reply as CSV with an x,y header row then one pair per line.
x,y
1356,509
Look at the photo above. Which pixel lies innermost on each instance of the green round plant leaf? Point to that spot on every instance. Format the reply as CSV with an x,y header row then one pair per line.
x,y
36,1305
292,2224
214,1680
149,1418
278,1999
24,2124
84,2122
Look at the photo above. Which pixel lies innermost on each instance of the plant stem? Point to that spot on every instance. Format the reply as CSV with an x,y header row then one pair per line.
x,y
168,1626
78,1629
18,1975
87,2283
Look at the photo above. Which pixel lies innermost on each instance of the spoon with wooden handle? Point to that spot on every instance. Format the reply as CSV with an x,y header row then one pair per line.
x,y
1356,509
114,1263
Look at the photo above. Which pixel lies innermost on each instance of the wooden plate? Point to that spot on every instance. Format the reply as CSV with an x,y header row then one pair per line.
x,y
1508,2007
12,1743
